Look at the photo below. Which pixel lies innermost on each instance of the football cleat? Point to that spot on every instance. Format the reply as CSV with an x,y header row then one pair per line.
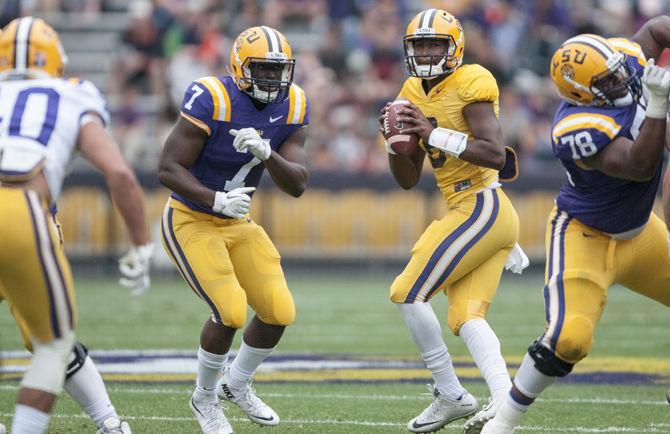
x,y
495,427
442,411
246,399
210,417
3,430
475,424
114,425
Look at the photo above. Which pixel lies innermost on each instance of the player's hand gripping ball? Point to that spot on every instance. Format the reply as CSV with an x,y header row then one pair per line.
x,y
392,130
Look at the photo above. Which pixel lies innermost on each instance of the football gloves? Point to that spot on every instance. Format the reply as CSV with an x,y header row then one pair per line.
x,y
657,82
249,139
134,267
234,203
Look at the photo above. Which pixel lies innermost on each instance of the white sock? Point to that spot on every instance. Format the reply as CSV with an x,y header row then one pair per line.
x,y
88,390
29,420
427,334
245,364
209,367
530,382
484,346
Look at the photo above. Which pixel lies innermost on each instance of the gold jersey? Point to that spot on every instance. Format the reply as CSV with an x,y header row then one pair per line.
x,y
444,103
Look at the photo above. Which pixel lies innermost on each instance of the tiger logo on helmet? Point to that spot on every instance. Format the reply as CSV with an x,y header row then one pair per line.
x,y
434,24
588,70
262,64
30,48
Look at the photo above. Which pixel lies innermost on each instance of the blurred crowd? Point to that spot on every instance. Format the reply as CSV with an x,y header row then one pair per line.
x,y
349,61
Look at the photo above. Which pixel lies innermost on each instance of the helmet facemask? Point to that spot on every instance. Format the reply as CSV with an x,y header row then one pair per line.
x,y
268,79
619,86
438,64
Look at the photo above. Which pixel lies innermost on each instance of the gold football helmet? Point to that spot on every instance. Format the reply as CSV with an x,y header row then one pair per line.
x,y
261,64
434,24
588,70
30,48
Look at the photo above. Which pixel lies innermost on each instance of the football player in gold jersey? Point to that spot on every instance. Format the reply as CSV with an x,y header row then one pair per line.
x,y
453,108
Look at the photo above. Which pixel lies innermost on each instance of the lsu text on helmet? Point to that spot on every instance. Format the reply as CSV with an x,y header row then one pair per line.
x,y
587,70
30,48
433,24
262,64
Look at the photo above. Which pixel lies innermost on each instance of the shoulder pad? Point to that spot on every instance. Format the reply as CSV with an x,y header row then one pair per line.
x,y
476,83
298,111
582,135
88,97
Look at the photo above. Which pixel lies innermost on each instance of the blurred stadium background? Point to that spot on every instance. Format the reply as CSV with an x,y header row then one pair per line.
x,y
142,54
346,238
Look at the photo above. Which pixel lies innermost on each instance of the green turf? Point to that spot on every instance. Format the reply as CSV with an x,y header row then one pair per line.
x,y
347,314
352,314
382,408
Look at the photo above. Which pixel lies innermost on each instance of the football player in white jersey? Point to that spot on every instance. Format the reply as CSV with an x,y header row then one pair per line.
x,y
44,120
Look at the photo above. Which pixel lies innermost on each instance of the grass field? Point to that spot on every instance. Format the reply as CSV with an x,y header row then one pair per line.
x,y
620,388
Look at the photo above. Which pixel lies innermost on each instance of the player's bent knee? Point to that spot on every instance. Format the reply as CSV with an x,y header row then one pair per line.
x,y
282,311
575,340
76,359
458,316
47,368
547,362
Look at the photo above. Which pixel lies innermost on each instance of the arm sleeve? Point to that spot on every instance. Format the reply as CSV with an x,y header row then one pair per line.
x,y
480,85
91,100
197,106
579,143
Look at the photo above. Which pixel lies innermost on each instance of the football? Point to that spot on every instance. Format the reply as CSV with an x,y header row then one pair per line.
x,y
404,144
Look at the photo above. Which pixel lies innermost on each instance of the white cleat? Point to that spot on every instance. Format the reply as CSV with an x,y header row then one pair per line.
x,y
210,417
442,411
114,425
245,398
495,427
475,424
3,430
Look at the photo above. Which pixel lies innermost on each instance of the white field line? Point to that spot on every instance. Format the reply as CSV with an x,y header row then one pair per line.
x,y
418,397
369,423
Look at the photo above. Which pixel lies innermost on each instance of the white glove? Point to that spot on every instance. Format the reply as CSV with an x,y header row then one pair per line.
x,y
235,203
134,267
517,260
657,82
248,138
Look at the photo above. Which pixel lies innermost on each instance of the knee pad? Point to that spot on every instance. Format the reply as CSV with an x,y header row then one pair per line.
x,y
575,340
547,362
282,311
47,368
76,359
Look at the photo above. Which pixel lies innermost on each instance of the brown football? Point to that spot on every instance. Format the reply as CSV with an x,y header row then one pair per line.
x,y
405,144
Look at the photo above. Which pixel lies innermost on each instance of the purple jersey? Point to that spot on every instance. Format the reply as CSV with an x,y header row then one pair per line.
x,y
216,105
605,203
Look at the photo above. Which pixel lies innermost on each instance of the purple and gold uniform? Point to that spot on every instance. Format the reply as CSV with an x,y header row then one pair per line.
x,y
601,231
230,263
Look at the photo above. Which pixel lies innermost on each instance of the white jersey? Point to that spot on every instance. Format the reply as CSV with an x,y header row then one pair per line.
x,y
39,126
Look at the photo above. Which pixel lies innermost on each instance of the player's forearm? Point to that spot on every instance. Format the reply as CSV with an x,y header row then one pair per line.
x,y
654,36
646,152
484,153
128,198
404,171
289,176
178,179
